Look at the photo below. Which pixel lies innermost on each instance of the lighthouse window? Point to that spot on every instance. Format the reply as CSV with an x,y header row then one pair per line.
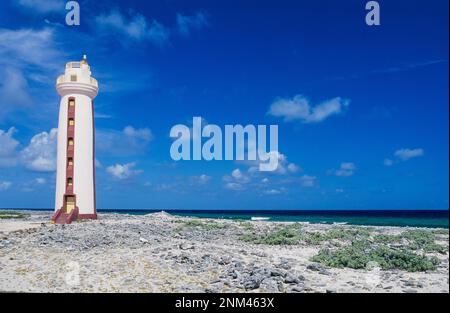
x,y
71,102
70,162
71,122
73,78
70,142
69,182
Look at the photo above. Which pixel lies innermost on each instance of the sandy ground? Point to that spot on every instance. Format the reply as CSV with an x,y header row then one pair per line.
x,y
159,253
13,226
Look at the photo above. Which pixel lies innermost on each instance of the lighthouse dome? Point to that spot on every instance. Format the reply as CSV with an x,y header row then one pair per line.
x,y
77,76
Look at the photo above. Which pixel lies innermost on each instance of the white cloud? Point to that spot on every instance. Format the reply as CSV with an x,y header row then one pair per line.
x,y
293,168
158,33
183,185
168,187
388,162
234,186
40,181
346,169
299,108
254,179
31,185
40,154
202,179
130,141
308,181
97,163
185,24
236,180
144,133
123,171
8,148
135,27
14,92
25,55
237,174
403,155
23,47
272,192
42,6
102,116
5,185
407,67
406,154
284,166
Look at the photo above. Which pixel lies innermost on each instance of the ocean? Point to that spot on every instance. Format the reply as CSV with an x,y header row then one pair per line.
x,y
422,218
373,218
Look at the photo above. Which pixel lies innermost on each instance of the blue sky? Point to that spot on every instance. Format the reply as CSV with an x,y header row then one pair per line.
x,y
374,135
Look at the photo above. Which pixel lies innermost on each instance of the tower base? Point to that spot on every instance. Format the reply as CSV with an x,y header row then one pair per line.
x,y
87,216
61,217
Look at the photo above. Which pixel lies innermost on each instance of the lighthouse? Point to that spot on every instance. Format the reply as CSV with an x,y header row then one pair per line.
x,y
75,176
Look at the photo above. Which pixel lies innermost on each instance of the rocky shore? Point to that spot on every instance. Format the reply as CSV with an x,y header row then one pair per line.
x,y
163,253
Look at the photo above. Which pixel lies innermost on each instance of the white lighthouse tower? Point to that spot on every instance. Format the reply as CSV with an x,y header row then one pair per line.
x,y
75,176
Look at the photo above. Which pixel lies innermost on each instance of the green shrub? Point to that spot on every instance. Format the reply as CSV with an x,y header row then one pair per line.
x,y
435,247
213,226
291,235
246,225
352,256
440,231
423,240
315,238
417,240
360,253
389,258
12,214
349,233
288,235
387,238
205,226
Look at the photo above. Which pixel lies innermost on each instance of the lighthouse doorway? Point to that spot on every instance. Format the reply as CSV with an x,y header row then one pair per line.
x,y
70,204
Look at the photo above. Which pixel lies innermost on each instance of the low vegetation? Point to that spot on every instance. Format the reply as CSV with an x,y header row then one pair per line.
x,y
286,235
441,231
203,225
355,247
358,254
12,215
246,225
341,234
293,234
414,240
